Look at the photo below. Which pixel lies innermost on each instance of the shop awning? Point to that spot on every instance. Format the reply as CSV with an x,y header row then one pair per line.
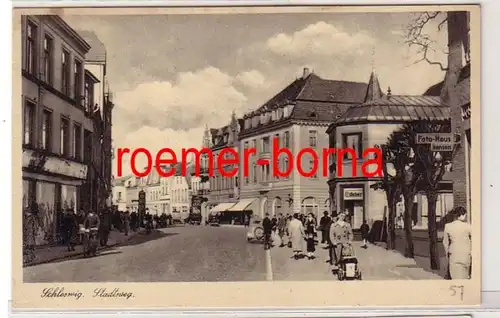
x,y
221,207
243,205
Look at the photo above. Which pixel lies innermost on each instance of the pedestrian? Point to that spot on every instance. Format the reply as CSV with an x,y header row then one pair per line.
x,y
331,247
105,227
323,224
365,231
310,230
297,233
281,228
341,236
126,222
267,224
71,229
80,219
457,241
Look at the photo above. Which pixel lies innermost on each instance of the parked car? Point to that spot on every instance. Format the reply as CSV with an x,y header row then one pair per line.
x,y
194,218
213,220
255,230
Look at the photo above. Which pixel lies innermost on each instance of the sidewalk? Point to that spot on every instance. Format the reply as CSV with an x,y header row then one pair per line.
x,y
47,254
376,263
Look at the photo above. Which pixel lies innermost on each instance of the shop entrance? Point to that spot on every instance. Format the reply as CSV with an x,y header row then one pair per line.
x,y
353,203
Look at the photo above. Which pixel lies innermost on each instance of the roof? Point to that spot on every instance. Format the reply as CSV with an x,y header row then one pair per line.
x,y
396,108
120,181
435,90
315,88
97,52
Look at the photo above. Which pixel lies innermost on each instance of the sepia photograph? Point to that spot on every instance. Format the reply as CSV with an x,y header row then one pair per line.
x,y
326,150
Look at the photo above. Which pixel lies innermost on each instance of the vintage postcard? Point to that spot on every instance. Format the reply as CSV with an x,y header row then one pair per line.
x,y
268,156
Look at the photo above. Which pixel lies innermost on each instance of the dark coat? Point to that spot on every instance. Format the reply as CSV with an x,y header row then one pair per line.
x,y
365,231
267,224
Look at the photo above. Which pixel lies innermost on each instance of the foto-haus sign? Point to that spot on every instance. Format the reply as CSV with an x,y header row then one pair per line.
x,y
353,194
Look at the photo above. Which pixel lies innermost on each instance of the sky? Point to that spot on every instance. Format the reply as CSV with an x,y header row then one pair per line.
x,y
172,75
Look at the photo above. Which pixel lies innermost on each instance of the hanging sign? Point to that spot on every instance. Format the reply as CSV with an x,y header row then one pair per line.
x,y
353,194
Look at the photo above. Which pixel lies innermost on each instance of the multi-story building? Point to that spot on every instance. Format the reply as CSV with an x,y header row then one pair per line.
x,y
58,146
179,196
132,188
98,100
224,191
364,127
297,118
120,193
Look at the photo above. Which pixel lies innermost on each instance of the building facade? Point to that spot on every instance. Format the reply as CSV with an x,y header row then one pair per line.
x,y
224,190
57,129
180,198
297,118
98,100
120,193
366,126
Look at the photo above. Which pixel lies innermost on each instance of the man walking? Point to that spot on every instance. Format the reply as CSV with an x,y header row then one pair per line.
x,y
267,224
323,226
457,241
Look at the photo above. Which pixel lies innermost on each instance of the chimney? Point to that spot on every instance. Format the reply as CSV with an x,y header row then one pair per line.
x,y
389,92
306,72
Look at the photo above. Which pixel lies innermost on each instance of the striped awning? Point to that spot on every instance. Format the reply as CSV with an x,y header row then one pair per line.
x,y
243,204
221,207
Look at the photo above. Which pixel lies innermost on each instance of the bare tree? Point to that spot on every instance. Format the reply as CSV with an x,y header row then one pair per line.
x,y
457,23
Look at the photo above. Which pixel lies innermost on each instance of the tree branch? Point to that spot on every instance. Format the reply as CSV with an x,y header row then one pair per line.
x,y
423,50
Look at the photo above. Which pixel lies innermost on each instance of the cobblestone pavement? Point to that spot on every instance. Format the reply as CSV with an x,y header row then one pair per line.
x,y
376,263
183,253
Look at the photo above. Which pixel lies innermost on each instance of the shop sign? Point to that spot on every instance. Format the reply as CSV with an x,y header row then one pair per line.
x,y
54,165
353,194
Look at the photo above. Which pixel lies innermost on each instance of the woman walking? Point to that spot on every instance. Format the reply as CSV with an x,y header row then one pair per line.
x,y
296,232
310,231
457,241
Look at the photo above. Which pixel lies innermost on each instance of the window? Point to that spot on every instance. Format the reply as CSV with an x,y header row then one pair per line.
x,y
265,144
254,172
64,136
119,196
46,130
77,141
285,165
351,141
313,138
286,139
88,95
31,43
78,82
48,48
29,123
311,163
277,138
65,75
87,147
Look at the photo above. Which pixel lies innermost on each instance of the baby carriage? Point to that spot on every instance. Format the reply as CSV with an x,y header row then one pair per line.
x,y
348,264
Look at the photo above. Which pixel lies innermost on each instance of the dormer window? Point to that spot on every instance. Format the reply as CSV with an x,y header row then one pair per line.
x,y
285,111
313,115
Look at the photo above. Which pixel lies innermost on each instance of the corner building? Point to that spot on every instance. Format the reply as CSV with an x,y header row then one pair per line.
x,y
298,117
57,127
365,126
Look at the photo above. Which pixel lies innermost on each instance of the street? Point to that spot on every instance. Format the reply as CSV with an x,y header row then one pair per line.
x,y
211,254
175,254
